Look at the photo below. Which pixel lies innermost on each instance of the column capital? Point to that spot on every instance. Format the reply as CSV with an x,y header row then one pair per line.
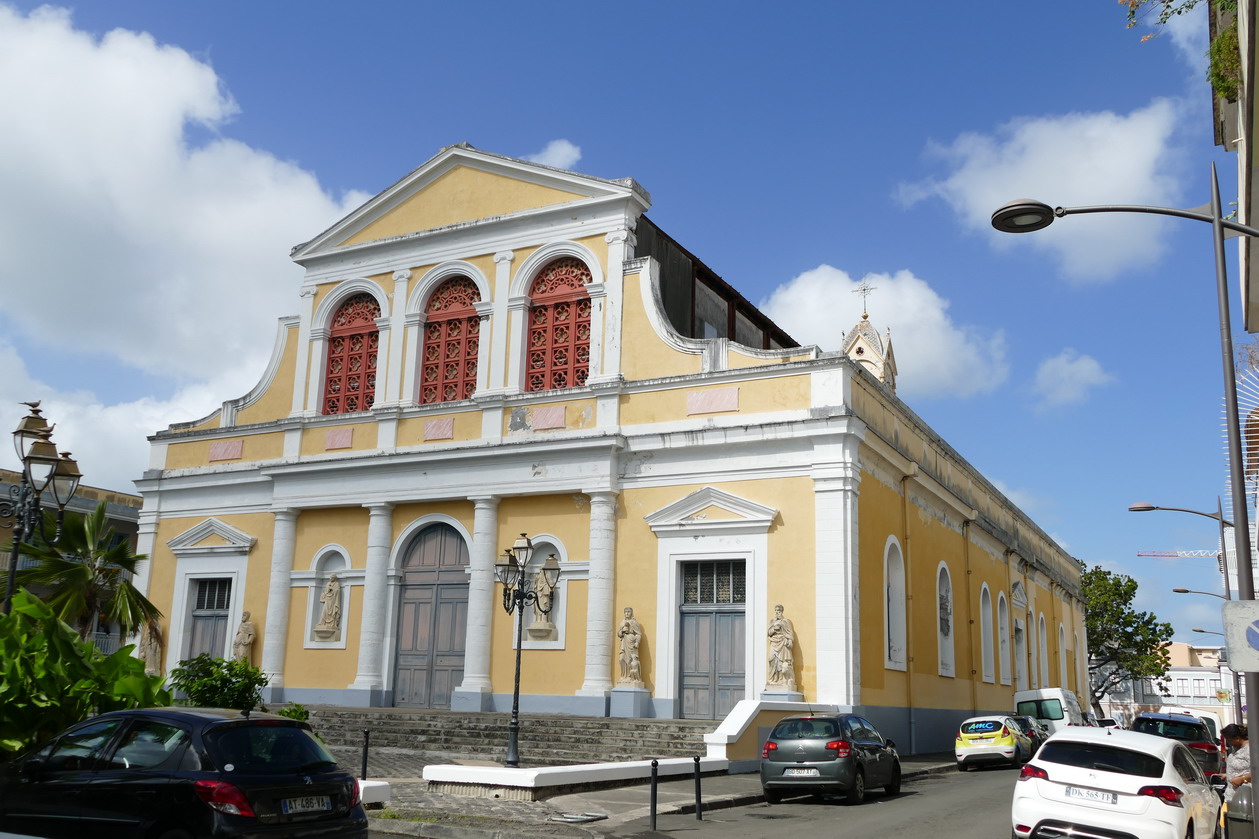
x,y
379,507
504,256
402,275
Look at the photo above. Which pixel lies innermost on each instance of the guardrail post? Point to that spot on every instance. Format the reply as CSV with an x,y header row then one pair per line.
x,y
367,735
699,806
655,777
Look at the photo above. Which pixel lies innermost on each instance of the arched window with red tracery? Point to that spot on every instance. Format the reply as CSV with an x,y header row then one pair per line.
x,y
559,327
350,375
452,338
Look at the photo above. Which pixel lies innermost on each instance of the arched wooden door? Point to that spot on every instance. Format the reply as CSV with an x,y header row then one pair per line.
x,y
432,619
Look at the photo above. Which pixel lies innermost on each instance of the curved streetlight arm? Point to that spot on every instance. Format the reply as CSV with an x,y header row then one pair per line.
x,y
1144,508
1195,214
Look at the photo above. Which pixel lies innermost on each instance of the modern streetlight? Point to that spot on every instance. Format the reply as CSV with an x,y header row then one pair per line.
x,y
1218,515
1182,590
1025,216
519,590
42,469
1208,632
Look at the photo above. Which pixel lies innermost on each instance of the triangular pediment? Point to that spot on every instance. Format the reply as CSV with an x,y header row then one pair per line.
x,y
209,537
461,186
1018,595
711,508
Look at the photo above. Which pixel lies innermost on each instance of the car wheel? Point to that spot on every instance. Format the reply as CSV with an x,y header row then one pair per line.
x,y
962,767
772,796
857,792
894,786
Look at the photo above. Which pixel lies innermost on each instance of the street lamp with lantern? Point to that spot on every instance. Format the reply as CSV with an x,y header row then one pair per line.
x,y
1026,216
519,590
43,469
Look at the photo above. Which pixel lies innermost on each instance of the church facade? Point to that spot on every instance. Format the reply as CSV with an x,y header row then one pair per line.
x,y
492,347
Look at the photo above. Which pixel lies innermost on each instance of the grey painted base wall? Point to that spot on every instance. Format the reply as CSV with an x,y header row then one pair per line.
x,y
920,730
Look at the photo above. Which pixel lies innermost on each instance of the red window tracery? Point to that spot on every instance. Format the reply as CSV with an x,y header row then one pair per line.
x,y
350,375
559,327
452,339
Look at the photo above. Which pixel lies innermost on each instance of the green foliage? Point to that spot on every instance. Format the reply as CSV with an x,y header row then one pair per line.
x,y
295,711
218,683
50,678
1224,71
87,572
1123,643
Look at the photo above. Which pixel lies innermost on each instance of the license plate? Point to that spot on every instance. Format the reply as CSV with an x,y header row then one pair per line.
x,y
308,804
980,741
811,772
1092,795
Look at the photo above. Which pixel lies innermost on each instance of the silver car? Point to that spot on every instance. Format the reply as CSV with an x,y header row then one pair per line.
x,y
842,753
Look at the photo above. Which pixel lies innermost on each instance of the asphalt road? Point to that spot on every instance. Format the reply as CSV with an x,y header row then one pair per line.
x,y
961,805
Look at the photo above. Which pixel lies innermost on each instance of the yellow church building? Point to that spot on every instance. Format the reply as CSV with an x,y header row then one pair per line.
x,y
493,347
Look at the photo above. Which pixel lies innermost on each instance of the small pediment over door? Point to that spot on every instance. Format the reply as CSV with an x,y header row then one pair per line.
x,y
712,509
1018,595
211,537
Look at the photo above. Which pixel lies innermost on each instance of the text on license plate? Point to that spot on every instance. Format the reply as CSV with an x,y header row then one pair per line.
x,y
811,771
979,741
307,804
1092,795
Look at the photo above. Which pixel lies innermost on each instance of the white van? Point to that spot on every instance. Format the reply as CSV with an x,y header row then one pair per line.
x,y
1057,708
1210,718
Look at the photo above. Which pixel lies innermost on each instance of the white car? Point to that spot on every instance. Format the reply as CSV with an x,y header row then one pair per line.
x,y
1114,783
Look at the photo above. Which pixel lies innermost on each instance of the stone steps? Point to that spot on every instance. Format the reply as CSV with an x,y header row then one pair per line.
x,y
549,739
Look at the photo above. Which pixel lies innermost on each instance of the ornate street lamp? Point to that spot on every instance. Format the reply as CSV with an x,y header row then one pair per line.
x,y
42,469
519,590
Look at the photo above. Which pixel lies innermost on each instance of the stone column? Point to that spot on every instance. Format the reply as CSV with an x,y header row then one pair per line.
x,y
371,649
279,595
599,600
476,692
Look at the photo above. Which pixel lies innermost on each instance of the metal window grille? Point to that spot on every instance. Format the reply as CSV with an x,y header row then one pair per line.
x,y
558,354
213,595
353,341
448,366
714,582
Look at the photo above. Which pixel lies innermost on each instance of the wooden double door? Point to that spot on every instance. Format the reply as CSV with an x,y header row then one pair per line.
x,y
432,619
713,637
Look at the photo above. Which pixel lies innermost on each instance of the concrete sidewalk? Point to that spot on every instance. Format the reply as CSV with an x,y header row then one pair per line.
x,y
565,815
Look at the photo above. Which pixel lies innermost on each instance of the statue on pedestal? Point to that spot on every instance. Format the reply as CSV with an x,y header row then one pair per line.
x,y
243,643
329,626
630,633
782,637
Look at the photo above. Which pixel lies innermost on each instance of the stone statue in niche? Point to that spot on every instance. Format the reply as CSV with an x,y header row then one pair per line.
x,y
630,633
946,613
329,626
243,643
542,628
782,640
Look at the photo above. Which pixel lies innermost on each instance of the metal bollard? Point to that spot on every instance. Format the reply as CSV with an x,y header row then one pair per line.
x,y
699,805
367,735
655,773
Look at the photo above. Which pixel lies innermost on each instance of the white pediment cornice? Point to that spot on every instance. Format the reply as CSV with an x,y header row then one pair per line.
x,y
688,513
1018,595
225,539
588,187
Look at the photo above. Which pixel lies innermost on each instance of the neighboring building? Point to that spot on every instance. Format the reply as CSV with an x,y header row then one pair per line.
x,y
1197,678
493,347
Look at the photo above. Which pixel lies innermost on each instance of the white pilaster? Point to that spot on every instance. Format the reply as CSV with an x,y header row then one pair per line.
x,y
146,535
305,353
390,392
600,592
503,350
836,479
370,674
276,629
609,367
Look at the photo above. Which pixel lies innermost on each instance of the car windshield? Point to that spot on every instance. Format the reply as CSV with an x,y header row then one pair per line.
x,y
805,730
1041,709
1101,757
268,749
1190,732
981,726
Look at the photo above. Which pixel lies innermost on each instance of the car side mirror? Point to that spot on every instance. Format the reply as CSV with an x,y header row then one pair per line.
x,y
32,769
891,744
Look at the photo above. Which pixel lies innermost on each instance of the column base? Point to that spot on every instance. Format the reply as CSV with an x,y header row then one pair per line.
x,y
782,696
471,700
630,702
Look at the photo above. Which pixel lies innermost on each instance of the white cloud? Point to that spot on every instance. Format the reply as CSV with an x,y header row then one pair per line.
x,y
1068,379
936,356
558,153
146,253
1069,160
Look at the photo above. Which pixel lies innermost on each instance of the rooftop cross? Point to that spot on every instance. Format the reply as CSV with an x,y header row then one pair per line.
x,y
864,289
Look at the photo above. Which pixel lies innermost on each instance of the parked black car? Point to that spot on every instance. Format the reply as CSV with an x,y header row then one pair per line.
x,y
817,754
1189,730
181,773
1033,728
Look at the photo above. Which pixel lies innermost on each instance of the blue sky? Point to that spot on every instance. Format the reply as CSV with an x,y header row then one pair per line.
x,y
160,159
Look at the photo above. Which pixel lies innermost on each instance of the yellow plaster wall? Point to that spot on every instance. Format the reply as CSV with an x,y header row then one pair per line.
x,y
277,400
467,427
460,195
782,393
194,453
314,440
648,357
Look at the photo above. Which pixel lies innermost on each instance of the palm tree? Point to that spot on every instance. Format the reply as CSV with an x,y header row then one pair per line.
x,y
87,573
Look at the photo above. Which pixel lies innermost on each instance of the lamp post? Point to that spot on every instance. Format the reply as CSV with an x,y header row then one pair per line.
x,y
519,590
1025,216
1218,515
42,469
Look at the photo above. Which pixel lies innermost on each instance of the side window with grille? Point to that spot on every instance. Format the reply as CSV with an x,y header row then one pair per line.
x,y
211,604
714,582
